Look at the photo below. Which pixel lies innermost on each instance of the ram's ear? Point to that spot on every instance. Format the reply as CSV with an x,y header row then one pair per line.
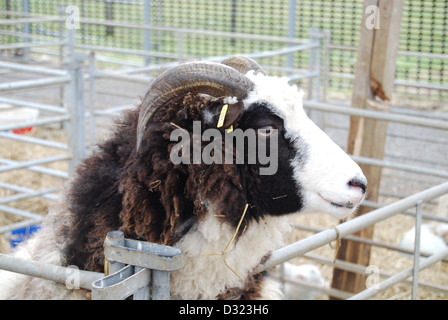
x,y
221,114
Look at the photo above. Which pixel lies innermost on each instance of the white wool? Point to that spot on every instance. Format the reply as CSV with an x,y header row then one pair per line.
x,y
205,276
230,100
207,116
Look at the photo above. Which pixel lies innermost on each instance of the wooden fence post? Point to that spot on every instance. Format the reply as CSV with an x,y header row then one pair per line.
x,y
373,86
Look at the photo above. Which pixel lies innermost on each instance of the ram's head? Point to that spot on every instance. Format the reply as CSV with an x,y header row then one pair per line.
x,y
295,166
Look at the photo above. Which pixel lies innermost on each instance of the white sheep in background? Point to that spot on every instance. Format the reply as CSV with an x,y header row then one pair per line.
x,y
305,273
430,241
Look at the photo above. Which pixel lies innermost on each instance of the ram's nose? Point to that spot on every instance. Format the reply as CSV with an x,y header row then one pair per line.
x,y
358,182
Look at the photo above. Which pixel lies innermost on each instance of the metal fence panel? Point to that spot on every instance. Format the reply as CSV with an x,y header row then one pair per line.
x,y
423,52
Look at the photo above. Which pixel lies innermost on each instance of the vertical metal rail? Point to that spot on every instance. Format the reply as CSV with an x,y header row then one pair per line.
x,y
76,107
92,100
417,241
291,31
147,32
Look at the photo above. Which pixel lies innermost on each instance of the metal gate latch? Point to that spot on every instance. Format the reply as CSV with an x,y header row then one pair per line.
x,y
136,268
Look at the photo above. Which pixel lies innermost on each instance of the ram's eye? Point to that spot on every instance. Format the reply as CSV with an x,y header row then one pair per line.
x,y
266,131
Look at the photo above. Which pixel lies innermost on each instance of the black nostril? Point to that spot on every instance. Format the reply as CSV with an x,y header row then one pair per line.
x,y
358,182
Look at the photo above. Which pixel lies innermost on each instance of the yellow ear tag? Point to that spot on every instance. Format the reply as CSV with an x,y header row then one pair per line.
x,y
230,129
222,116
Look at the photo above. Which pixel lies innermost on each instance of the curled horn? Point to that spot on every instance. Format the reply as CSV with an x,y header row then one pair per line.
x,y
243,64
214,79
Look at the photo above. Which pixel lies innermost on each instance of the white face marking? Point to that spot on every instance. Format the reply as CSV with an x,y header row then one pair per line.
x,y
323,176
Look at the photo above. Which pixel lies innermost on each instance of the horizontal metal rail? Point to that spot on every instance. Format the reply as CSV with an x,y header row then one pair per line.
x,y
31,69
33,105
301,247
400,166
30,20
397,82
197,32
27,195
373,114
17,188
30,163
400,277
51,172
19,225
356,268
35,123
36,141
32,84
47,271
377,244
253,55
31,45
19,212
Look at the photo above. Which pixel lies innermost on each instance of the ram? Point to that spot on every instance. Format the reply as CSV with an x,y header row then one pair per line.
x,y
225,217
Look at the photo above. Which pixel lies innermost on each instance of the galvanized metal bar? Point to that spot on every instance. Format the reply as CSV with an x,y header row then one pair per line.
x,y
400,166
92,96
30,163
113,287
154,260
52,172
143,293
19,225
19,212
33,105
113,238
254,55
272,53
29,45
146,255
400,52
27,20
291,29
413,84
28,195
52,272
132,52
417,241
76,107
299,248
147,33
33,84
19,34
14,187
397,82
32,69
196,32
35,123
160,285
36,141
407,119
399,277
352,267
378,244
